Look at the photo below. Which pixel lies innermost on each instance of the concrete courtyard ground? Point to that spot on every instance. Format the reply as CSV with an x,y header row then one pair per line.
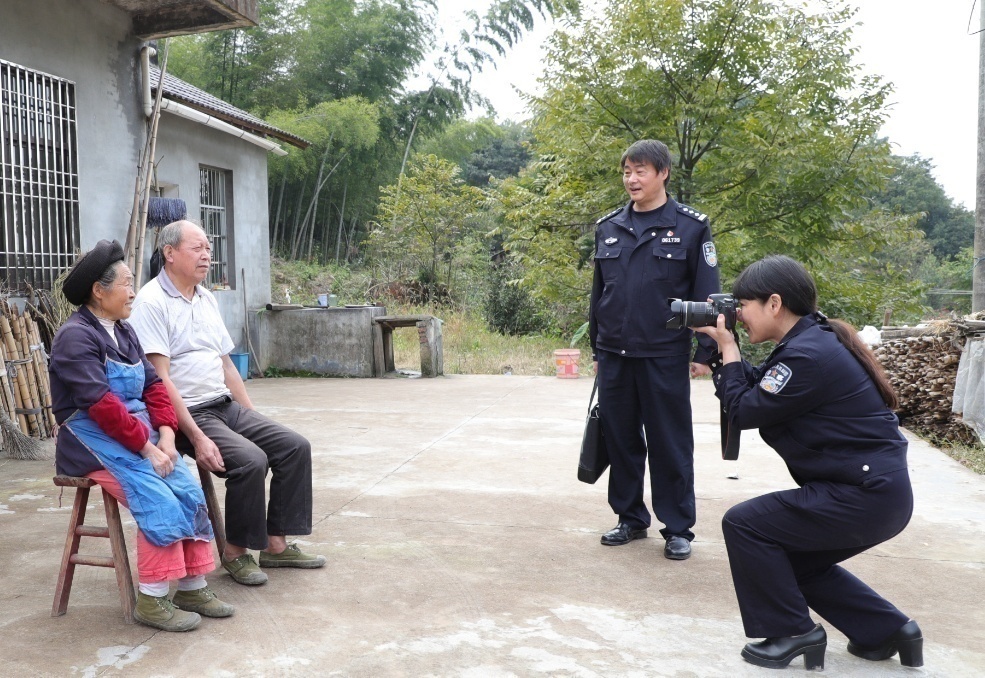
x,y
460,543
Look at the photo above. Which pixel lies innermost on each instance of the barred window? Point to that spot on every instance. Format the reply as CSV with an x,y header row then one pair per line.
x,y
39,181
217,222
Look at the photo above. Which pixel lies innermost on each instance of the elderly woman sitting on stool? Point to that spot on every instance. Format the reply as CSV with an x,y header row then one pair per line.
x,y
117,427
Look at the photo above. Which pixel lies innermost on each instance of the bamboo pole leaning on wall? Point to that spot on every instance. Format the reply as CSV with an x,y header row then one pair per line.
x,y
27,360
6,395
41,372
22,391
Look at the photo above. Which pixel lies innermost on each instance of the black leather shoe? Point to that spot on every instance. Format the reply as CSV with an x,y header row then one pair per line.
x,y
777,653
622,534
677,548
908,641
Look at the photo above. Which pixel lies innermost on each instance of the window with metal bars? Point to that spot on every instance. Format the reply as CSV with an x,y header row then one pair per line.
x,y
39,180
217,222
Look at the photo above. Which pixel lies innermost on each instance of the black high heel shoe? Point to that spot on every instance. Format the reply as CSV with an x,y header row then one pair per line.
x,y
777,653
908,641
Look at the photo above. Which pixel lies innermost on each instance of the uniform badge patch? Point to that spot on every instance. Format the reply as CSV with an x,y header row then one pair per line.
x,y
611,241
711,256
776,378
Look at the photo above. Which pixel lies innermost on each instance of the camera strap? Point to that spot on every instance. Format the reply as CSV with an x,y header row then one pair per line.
x,y
730,438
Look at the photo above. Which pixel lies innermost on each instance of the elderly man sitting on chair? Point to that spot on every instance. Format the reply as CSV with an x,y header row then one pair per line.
x,y
178,323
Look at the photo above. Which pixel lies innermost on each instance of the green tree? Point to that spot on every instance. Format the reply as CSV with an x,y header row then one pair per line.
x,y
338,131
912,189
771,125
503,157
426,227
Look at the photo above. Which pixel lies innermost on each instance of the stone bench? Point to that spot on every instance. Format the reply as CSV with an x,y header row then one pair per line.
x,y
429,336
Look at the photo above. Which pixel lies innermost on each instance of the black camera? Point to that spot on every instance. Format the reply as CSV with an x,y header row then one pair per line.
x,y
702,313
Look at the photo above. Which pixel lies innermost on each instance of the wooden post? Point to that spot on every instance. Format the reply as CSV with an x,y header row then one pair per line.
x,y
429,334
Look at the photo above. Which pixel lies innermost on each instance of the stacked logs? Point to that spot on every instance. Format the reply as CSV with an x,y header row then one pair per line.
x,y
923,370
25,392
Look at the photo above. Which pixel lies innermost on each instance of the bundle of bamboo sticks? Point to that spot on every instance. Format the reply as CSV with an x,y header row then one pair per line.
x,y
25,392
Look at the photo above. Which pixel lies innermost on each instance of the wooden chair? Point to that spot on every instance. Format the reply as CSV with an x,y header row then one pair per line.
x,y
71,556
215,509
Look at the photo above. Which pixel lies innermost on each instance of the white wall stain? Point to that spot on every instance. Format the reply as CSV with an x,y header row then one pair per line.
x,y
116,657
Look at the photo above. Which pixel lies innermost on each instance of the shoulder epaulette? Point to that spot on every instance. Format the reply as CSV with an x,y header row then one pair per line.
x,y
609,215
693,213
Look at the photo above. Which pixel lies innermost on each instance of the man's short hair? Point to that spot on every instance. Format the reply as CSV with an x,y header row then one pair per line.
x,y
171,234
649,151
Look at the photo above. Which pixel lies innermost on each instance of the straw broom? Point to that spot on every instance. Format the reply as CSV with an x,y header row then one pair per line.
x,y
16,445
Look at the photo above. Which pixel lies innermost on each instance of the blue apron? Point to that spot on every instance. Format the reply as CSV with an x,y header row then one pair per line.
x,y
166,509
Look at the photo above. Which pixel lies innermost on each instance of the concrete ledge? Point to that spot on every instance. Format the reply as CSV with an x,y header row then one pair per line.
x,y
334,341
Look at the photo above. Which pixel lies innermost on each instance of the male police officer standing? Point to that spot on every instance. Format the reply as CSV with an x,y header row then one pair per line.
x,y
649,251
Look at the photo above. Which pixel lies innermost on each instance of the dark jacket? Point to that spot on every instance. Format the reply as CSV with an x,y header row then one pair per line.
x,y
78,379
815,404
635,277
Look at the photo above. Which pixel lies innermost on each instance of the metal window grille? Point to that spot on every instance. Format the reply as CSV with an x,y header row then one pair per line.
x,y
39,180
213,204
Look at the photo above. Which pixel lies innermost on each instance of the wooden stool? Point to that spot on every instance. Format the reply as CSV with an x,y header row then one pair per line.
x,y
215,510
71,557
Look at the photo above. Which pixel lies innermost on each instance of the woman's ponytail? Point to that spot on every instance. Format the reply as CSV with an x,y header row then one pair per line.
x,y
849,338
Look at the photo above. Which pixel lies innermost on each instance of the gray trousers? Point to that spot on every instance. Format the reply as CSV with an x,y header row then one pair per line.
x,y
250,444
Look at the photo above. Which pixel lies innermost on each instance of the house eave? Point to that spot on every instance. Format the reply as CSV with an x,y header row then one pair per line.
x,y
154,19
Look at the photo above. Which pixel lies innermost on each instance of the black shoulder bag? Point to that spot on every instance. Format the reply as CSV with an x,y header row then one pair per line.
x,y
594,459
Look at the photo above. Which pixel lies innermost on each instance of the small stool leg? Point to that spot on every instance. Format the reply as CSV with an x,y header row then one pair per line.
x,y
124,578
215,511
66,572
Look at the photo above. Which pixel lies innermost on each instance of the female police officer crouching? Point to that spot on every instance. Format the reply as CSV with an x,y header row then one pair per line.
x,y
824,404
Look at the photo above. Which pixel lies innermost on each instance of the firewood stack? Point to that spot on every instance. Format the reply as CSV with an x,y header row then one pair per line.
x,y
25,392
923,369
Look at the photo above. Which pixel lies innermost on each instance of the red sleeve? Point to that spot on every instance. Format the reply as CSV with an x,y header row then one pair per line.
x,y
112,416
159,406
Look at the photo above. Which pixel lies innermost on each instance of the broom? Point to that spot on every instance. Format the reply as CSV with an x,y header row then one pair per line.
x,y
17,445
163,211
160,213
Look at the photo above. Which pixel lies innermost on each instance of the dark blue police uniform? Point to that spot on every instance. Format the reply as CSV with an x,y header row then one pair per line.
x,y
643,366
813,402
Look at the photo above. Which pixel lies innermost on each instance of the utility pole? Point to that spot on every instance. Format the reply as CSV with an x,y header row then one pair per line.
x,y
978,270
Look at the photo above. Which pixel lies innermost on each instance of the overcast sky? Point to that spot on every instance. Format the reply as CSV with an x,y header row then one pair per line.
x,y
927,50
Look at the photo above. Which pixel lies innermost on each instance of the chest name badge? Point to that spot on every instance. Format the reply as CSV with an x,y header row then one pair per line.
x,y
670,239
711,256
776,378
611,241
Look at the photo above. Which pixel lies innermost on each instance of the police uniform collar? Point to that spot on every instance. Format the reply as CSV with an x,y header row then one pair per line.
x,y
805,322
623,215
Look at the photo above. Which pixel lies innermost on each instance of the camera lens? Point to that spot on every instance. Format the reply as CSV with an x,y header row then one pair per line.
x,y
677,314
703,315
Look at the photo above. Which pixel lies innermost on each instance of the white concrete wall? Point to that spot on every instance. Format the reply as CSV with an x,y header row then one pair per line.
x,y
182,146
89,43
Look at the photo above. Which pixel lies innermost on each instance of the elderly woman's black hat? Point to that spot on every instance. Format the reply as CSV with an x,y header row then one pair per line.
x,y
90,268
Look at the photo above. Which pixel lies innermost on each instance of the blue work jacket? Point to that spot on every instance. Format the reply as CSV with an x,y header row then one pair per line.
x,y
815,404
636,276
